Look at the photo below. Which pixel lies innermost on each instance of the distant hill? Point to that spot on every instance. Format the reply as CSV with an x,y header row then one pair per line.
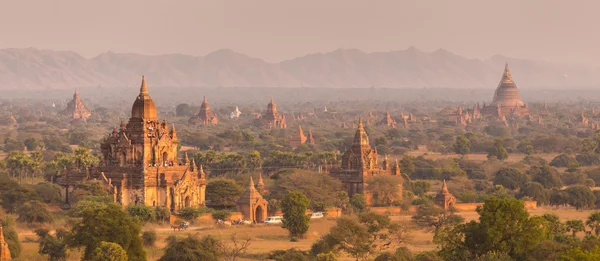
x,y
345,68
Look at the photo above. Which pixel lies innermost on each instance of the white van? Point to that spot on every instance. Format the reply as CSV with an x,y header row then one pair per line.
x,y
274,220
316,215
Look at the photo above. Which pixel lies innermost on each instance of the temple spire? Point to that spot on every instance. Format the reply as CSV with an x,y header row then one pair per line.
x,y
173,132
144,87
251,185
260,184
361,138
445,188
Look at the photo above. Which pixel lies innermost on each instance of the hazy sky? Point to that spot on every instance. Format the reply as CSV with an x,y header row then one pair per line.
x,y
552,30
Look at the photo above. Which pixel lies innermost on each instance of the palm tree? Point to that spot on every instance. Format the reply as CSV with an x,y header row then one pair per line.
x,y
593,222
575,226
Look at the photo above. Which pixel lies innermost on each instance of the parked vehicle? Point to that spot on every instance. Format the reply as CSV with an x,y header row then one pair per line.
x,y
184,225
316,215
274,220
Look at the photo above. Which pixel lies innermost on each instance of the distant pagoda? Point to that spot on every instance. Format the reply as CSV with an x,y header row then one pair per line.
x,y
205,115
507,100
76,109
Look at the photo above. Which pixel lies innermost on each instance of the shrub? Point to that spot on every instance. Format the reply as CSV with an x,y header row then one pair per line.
x,y
149,238
142,213
221,214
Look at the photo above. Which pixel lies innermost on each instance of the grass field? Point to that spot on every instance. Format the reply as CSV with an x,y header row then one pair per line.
x,y
268,238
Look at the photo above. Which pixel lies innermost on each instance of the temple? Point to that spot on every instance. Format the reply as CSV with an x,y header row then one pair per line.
x,y
507,100
272,118
4,250
388,121
141,162
205,115
444,199
300,138
252,205
76,109
360,163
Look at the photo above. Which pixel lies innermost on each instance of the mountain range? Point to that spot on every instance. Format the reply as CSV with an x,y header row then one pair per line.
x,y
35,69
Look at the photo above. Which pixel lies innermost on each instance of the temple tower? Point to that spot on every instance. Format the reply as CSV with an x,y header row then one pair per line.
x,y
252,205
444,199
205,115
4,250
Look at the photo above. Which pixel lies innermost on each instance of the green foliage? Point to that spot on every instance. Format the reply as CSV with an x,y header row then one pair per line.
x,y
546,175
221,214
12,238
580,197
326,257
385,189
85,189
191,213
48,192
318,188
556,227
593,222
108,251
462,145
421,187
53,247
358,202
432,217
192,249
564,160
295,220
223,192
98,222
578,254
34,212
536,192
290,254
498,151
574,226
141,213
149,238
510,178
504,226
162,214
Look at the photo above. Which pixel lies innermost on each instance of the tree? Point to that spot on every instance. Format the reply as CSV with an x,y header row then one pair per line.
x,y
190,213
578,254
462,145
510,178
504,226
421,187
432,217
557,227
318,188
385,189
54,247
11,237
580,197
559,198
536,192
149,238
98,222
563,160
593,222
546,175
574,226
223,192
360,238
295,220
358,202
192,249
498,150
235,248
83,159
34,212
142,213
108,251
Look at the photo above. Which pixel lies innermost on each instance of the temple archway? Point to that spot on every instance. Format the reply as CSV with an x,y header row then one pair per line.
x,y
187,202
259,214
164,158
